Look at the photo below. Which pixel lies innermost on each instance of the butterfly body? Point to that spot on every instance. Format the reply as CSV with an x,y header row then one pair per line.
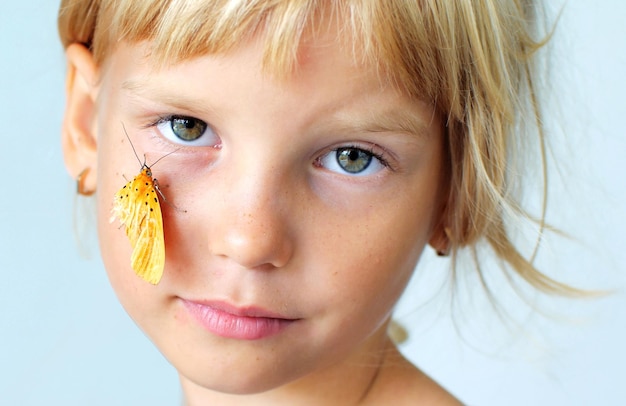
x,y
137,207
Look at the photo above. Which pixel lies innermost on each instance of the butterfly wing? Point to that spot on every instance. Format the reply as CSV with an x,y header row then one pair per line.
x,y
148,257
137,207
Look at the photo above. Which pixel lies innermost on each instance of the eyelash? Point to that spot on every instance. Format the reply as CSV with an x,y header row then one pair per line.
x,y
170,117
331,160
205,138
370,150
160,120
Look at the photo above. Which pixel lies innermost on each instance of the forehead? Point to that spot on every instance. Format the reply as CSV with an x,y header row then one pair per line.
x,y
320,64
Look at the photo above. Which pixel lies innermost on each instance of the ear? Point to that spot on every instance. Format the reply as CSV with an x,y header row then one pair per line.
x,y
78,133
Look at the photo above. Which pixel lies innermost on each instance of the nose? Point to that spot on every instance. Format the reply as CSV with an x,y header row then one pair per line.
x,y
252,226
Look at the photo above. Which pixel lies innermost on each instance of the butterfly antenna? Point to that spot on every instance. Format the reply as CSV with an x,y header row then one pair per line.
x,y
133,147
168,154
144,156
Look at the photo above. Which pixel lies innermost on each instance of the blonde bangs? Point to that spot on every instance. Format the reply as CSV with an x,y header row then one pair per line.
x,y
432,57
183,29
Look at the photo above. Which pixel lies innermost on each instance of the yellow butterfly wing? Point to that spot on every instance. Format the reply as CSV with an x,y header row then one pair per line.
x,y
137,207
148,257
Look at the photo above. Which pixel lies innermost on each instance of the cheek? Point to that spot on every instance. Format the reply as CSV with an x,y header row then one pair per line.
x,y
359,267
355,279
372,269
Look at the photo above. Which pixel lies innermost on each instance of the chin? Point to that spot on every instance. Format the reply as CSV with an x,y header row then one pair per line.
x,y
233,382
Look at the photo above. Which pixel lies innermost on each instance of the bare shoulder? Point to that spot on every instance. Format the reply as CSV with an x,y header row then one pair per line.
x,y
401,383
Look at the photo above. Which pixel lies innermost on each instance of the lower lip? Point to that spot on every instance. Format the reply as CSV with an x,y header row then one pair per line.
x,y
229,325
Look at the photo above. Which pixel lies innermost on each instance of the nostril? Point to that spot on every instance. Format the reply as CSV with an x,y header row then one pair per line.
x,y
267,267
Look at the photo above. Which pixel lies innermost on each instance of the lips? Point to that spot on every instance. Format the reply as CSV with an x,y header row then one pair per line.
x,y
242,323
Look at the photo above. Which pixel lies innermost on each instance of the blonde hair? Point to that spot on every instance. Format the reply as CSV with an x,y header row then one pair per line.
x,y
474,60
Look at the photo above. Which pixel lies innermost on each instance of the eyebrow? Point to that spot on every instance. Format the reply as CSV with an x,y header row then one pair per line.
x,y
142,88
401,120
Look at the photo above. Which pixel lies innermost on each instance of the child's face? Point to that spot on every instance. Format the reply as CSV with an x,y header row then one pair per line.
x,y
295,220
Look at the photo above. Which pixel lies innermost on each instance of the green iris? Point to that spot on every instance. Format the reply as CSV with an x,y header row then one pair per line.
x,y
353,160
187,128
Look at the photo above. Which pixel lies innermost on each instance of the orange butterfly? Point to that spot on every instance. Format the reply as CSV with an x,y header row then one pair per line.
x,y
137,207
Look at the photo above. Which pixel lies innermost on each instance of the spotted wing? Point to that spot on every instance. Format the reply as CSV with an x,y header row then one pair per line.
x,y
137,207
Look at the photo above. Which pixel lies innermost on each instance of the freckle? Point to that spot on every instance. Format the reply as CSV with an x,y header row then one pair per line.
x,y
156,200
124,187
146,203
151,209
126,194
136,190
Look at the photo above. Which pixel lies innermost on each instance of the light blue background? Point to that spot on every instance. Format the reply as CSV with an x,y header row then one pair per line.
x,y
64,339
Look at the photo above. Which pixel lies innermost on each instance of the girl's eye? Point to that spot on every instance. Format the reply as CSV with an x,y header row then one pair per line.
x,y
187,130
353,161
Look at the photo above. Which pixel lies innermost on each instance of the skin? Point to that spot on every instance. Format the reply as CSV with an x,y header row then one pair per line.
x,y
262,216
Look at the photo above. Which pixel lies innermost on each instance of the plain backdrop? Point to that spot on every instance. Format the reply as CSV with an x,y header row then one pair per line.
x,y
64,339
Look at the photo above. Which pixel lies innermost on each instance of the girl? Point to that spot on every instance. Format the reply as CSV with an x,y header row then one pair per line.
x,y
308,152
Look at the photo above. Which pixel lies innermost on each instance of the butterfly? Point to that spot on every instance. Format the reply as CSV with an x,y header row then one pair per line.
x,y
137,207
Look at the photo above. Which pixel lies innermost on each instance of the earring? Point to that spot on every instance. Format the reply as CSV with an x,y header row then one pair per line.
x,y
444,252
80,187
